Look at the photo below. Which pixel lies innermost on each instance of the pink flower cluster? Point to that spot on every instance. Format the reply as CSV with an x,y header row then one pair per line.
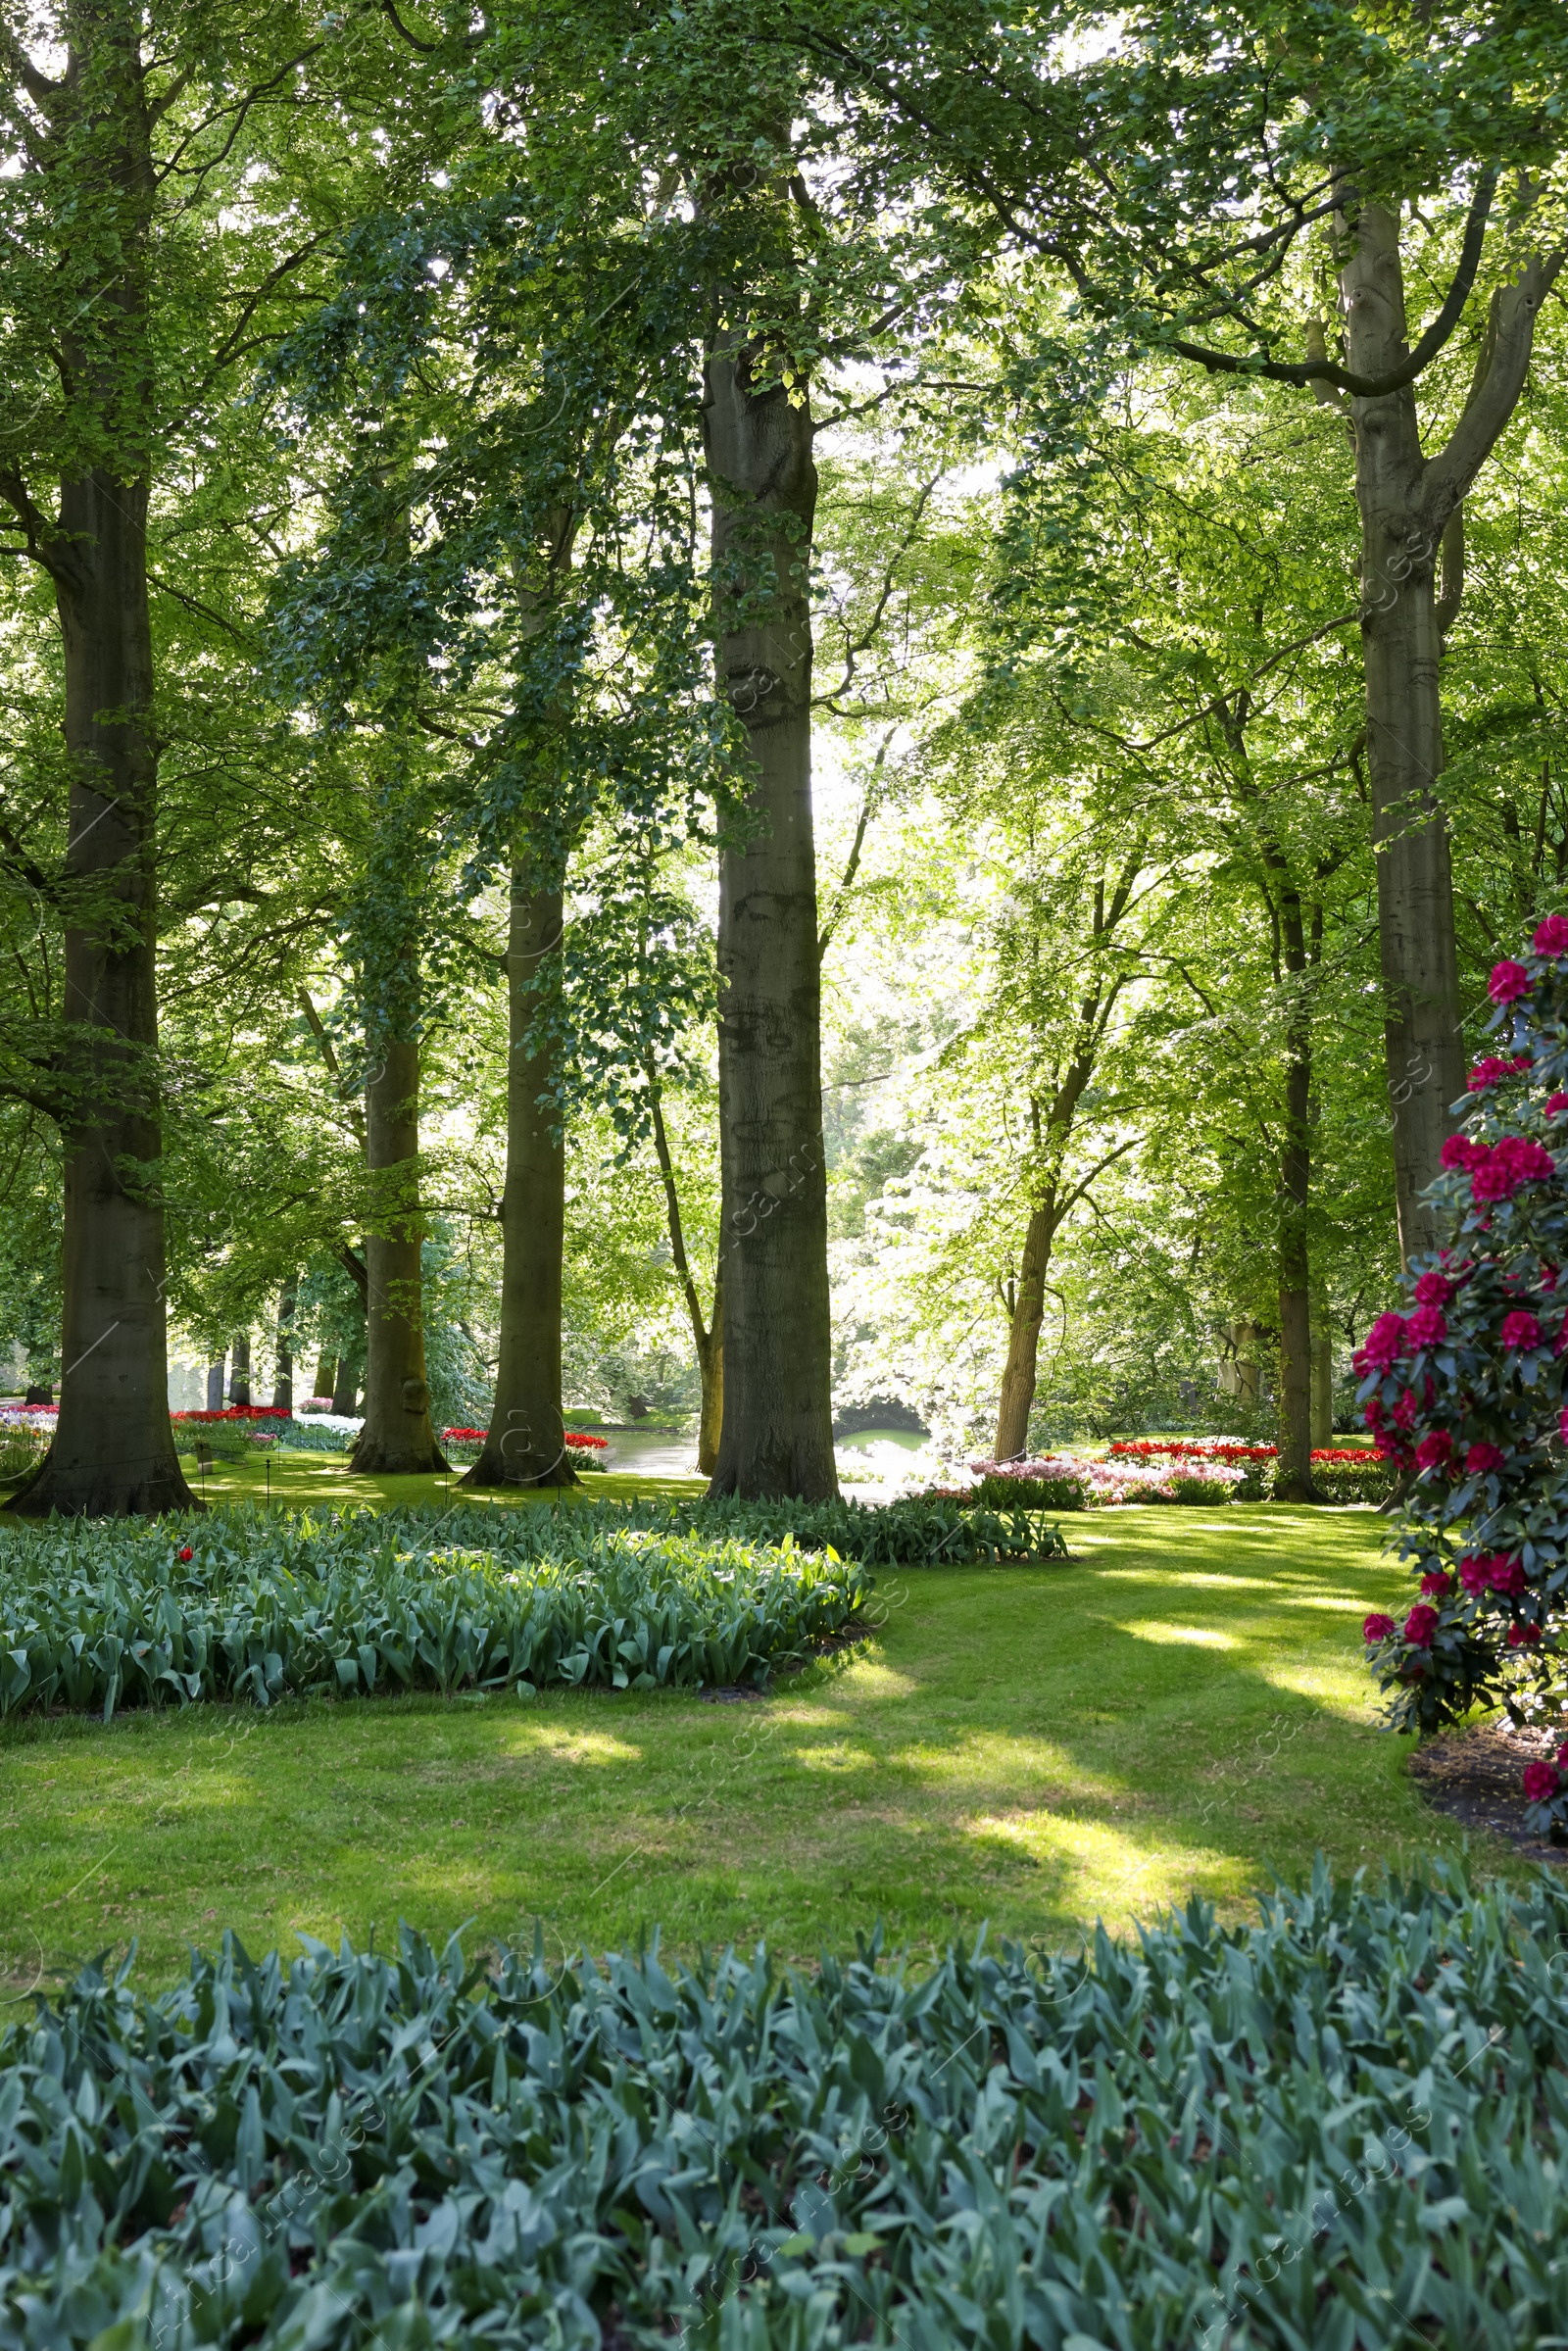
x,y
1491,1072
1498,1170
1508,982
1551,936
1492,1570
1384,1345
1521,1332
1418,1628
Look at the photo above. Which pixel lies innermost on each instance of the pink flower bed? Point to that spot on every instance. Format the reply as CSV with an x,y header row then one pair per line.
x,y
1104,1484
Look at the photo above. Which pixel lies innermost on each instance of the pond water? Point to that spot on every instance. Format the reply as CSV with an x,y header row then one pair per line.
x,y
655,1453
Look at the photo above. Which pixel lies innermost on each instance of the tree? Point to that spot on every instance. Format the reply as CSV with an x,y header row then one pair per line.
x,y
1192,180
146,265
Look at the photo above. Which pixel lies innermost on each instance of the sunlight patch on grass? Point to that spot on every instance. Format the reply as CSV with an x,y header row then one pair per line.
x,y
1349,1603
1202,1637
841,1757
566,1742
1192,1579
869,1677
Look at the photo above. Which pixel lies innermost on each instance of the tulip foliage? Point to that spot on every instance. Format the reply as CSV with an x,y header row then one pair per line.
x,y
1464,1392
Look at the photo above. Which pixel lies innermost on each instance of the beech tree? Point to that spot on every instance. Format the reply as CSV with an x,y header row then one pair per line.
x,y
146,266
1193,178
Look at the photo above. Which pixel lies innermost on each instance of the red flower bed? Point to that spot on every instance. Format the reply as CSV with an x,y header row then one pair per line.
x,y
477,1436
1178,1448
239,1412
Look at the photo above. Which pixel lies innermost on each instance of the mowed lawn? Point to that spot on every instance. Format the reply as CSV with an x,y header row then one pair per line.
x,y
1183,1706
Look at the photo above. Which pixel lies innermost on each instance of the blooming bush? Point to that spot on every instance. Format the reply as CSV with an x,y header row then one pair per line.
x,y
1463,1392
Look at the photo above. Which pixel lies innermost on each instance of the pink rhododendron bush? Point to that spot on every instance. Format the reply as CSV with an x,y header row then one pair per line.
x,y
1464,1391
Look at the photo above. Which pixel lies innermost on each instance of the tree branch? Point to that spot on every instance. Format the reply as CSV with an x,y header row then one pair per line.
x,y
1512,328
1323,370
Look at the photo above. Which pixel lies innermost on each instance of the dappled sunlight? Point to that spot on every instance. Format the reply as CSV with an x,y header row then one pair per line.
x,y
1188,1578
564,1742
838,1759
1011,1748
1202,1637
1103,1871
1344,1689
1349,1603
868,1677
1002,1759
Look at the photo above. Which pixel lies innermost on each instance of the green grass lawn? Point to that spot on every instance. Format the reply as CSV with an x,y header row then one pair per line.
x,y
1183,1706
295,1479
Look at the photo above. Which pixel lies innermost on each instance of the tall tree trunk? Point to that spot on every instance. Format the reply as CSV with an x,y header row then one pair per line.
x,y
215,1385
1407,501
1293,1481
777,1435
346,1379
707,1338
239,1374
710,1366
283,1370
325,1374
1322,1390
396,1437
1020,1373
1294,1477
113,1452
525,1444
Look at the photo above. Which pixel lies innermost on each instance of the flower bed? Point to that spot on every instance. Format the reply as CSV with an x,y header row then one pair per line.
x,y
26,1434
1338,2125
336,1435
102,1615
1218,1449
1067,1483
464,1446
232,1434
1340,1473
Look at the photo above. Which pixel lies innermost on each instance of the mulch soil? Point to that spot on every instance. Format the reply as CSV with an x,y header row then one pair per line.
x,y
1473,1776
